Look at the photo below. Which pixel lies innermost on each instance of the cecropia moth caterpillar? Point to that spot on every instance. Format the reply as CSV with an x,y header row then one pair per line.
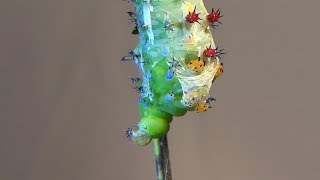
x,y
178,61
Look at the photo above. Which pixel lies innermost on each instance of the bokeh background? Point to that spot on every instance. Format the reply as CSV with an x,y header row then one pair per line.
x,y
66,99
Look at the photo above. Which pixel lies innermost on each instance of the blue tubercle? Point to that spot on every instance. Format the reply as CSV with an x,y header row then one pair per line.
x,y
169,97
169,74
146,104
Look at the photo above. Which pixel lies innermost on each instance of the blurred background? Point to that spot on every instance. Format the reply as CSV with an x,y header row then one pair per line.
x,y
66,99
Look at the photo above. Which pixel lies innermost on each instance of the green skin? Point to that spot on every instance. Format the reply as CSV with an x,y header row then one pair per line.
x,y
159,113
159,43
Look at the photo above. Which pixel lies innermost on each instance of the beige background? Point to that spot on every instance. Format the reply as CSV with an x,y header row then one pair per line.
x,y
66,99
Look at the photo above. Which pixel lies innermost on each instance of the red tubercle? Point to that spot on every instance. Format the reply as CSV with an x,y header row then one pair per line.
x,y
193,17
214,16
210,52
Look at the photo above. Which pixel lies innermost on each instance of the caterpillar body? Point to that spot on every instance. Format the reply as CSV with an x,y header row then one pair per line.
x,y
178,61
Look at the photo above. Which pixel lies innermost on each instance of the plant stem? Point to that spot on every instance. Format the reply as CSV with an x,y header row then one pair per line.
x,y
161,153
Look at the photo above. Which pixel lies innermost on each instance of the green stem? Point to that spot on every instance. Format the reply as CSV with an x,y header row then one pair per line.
x,y
161,153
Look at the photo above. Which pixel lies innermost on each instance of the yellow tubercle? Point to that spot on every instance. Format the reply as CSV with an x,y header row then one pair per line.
x,y
187,7
202,107
219,68
196,65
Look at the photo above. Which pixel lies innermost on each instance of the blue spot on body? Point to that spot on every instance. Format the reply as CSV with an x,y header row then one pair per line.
x,y
146,104
165,52
145,47
149,76
169,74
140,100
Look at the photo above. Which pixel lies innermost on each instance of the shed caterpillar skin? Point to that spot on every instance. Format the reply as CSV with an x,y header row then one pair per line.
x,y
178,61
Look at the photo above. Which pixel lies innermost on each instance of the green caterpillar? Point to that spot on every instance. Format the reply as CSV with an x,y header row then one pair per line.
x,y
178,61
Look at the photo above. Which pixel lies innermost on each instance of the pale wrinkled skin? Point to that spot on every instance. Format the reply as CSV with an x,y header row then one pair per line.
x,y
178,42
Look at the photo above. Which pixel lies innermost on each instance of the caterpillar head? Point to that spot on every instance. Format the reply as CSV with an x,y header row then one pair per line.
x,y
149,127
138,136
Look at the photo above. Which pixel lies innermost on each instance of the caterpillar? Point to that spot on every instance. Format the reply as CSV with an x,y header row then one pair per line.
x,y
178,61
